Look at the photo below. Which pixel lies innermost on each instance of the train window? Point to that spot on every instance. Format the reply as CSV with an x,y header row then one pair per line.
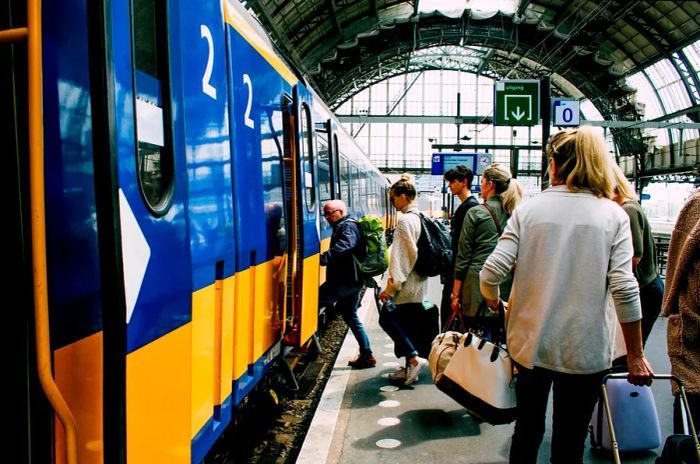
x,y
273,181
324,172
362,176
345,181
154,154
355,188
335,169
307,153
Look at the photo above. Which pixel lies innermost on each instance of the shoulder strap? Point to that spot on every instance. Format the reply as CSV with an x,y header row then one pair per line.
x,y
472,200
493,215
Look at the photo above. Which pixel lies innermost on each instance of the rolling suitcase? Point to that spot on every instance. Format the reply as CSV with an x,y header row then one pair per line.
x,y
634,413
613,410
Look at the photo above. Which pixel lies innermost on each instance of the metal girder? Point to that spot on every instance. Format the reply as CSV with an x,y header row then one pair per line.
x,y
428,119
690,79
333,10
409,119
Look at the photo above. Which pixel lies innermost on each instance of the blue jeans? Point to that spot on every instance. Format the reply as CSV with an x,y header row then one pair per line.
x,y
398,324
574,399
347,300
651,297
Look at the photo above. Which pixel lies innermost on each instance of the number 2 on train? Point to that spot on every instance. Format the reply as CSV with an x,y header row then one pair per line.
x,y
207,88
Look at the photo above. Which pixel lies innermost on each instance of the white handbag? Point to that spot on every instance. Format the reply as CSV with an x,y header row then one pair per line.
x,y
478,375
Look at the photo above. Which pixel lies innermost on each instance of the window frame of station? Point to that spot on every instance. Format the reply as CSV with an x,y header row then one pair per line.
x,y
158,27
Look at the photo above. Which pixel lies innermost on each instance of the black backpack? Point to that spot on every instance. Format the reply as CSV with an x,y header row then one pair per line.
x,y
434,248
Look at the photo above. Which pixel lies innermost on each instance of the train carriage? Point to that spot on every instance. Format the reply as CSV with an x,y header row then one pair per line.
x,y
166,224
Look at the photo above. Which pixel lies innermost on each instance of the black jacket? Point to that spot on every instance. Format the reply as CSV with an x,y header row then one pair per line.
x,y
346,242
457,222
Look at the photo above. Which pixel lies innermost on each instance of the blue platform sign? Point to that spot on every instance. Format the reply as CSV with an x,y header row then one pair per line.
x,y
443,162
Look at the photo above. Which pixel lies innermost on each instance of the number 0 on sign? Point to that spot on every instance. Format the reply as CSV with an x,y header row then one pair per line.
x,y
566,112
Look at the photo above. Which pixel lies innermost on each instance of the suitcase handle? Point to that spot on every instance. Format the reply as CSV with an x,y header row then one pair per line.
x,y
608,413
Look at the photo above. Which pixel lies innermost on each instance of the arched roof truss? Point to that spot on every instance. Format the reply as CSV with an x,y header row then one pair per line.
x,y
587,47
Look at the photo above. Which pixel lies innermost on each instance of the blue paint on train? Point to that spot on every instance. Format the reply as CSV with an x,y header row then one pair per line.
x,y
257,90
72,249
207,436
208,145
164,299
256,371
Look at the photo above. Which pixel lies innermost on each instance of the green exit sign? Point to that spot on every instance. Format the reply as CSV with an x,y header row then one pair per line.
x,y
517,103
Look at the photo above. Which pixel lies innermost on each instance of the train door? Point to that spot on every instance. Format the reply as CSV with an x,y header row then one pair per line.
x,y
302,170
151,339
259,82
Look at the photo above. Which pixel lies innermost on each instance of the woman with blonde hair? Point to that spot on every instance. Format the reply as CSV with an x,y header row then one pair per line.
x,y
651,287
573,247
404,286
480,231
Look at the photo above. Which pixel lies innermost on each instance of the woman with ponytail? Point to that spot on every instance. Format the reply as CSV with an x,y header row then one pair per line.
x,y
574,249
480,231
404,286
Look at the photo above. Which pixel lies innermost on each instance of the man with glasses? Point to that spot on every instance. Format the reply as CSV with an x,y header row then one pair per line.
x,y
343,280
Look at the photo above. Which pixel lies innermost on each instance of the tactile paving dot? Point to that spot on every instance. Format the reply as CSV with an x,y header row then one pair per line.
x,y
391,364
389,388
389,345
389,403
389,354
388,443
389,421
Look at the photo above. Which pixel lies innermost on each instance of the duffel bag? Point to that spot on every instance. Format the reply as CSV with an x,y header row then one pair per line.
x,y
444,345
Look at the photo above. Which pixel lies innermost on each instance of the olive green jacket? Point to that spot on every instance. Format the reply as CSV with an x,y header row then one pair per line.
x,y
476,242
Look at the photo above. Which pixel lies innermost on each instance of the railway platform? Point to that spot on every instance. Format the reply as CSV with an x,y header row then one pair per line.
x,y
362,417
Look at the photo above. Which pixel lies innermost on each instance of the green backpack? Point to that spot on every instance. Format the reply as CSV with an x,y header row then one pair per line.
x,y
377,256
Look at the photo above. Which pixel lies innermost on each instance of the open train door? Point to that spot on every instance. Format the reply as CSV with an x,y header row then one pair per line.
x,y
302,201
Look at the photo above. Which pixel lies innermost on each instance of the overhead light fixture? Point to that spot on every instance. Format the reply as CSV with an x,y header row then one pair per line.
x,y
431,140
465,137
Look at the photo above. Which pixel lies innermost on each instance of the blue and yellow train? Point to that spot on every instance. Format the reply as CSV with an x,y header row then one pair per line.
x,y
168,172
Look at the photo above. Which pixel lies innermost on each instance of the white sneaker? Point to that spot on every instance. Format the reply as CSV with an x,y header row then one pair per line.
x,y
413,371
398,375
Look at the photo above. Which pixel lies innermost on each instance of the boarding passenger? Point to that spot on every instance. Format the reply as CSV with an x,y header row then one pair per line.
x,y
651,287
501,194
343,281
573,248
459,180
404,287
682,306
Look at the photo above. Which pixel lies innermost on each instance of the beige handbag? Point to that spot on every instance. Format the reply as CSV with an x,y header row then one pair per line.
x,y
444,345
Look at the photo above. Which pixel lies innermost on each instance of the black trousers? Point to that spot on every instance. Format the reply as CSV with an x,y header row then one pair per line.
x,y
574,399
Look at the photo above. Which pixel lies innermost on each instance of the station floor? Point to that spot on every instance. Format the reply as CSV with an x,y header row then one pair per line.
x,y
363,418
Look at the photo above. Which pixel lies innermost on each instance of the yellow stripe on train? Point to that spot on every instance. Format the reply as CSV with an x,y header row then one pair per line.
x,y
158,377
238,22
258,312
309,300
